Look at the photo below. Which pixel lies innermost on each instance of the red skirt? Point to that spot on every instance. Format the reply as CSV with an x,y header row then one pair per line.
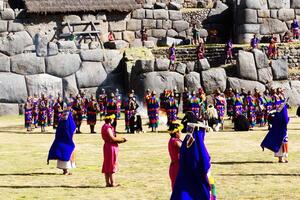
x,y
110,154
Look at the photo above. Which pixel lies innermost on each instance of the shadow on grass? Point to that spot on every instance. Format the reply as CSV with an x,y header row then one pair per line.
x,y
241,162
50,186
262,174
30,174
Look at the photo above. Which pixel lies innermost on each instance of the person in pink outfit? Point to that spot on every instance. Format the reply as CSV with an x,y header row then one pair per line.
x,y
110,150
174,150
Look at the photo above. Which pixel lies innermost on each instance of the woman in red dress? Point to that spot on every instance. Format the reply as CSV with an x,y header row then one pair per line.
x,y
174,150
110,150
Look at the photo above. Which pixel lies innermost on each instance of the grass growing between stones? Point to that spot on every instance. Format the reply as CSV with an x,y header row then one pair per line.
x,y
241,170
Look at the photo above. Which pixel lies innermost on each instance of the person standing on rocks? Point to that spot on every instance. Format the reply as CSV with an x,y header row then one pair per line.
x,y
228,49
295,28
200,51
172,57
254,42
196,35
144,36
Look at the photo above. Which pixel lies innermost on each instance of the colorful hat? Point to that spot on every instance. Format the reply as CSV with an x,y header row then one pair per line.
x,y
112,116
175,127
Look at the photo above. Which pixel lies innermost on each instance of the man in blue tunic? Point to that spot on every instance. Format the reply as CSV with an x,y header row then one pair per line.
x,y
63,146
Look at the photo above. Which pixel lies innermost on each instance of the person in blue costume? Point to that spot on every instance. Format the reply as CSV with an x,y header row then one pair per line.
x,y
63,146
277,138
192,182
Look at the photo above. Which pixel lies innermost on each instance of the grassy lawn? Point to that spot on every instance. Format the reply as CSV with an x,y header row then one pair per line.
x,y
240,168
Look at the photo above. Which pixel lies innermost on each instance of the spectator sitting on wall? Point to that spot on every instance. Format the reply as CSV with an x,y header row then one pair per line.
x,y
254,42
287,37
144,35
111,36
272,49
196,35
200,50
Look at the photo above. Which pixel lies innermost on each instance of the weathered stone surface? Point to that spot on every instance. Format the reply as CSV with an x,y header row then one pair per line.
x,y
8,14
95,55
16,43
27,64
149,44
181,68
265,75
113,81
159,33
116,44
66,45
202,65
117,25
3,26
112,60
245,38
143,66
295,4
134,25
248,16
167,24
285,85
261,59
203,33
128,36
160,5
4,63
136,43
149,23
190,66
43,83
91,74
171,33
71,18
69,85
286,14
174,6
175,15
161,64
180,26
252,4
293,97
158,81
101,16
275,4
246,65
160,14
263,13
213,79
149,14
88,17
159,24
13,88
295,85
279,69
192,81
9,109
41,43
63,65
15,27
138,14
273,14
182,34
248,85
249,28
52,49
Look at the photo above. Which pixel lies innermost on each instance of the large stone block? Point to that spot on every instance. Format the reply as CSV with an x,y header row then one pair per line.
x,y
117,25
66,45
275,4
174,6
160,14
9,109
190,66
159,33
279,69
249,28
15,26
295,85
246,65
8,14
139,14
261,59
263,13
116,44
43,83
3,26
16,43
180,26
128,36
168,41
295,4
181,68
202,65
286,14
94,55
27,64
158,81
149,23
71,18
69,85
4,63
265,75
88,17
52,49
13,88
175,15
192,81
248,16
248,85
101,16
41,44
213,79
272,26
166,24
149,14
134,25
245,38
143,66
285,85
161,64
63,65
91,74
172,33
252,4
112,60
293,97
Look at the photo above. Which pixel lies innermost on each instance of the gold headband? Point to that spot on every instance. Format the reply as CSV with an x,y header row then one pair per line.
x,y
178,129
110,117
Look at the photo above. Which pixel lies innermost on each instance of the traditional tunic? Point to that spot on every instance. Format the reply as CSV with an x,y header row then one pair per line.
x,y
172,55
200,52
203,103
119,104
278,99
254,42
185,101
295,28
43,113
164,97
130,111
35,111
261,110
153,114
92,110
174,152
220,103
194,106
102,104
57,108
268,106
238,105
251,110
50,112
230,105
228,49
77,111
28,114
172,110
272,49
110,151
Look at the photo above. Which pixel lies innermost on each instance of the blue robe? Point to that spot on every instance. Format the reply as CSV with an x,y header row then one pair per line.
x,y
192,182
278,131
63,145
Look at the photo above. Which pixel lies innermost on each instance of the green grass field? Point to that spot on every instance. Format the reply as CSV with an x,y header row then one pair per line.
x,y
240,168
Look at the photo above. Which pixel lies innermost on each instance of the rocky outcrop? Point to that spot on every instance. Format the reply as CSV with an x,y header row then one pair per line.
x,y
91,74
214,79
15,44
9,109
62,65
238,84
280,69
246,66
13,88
27,64
192,81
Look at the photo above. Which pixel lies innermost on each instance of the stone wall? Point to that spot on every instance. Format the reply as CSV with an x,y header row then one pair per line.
x,y
264,17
